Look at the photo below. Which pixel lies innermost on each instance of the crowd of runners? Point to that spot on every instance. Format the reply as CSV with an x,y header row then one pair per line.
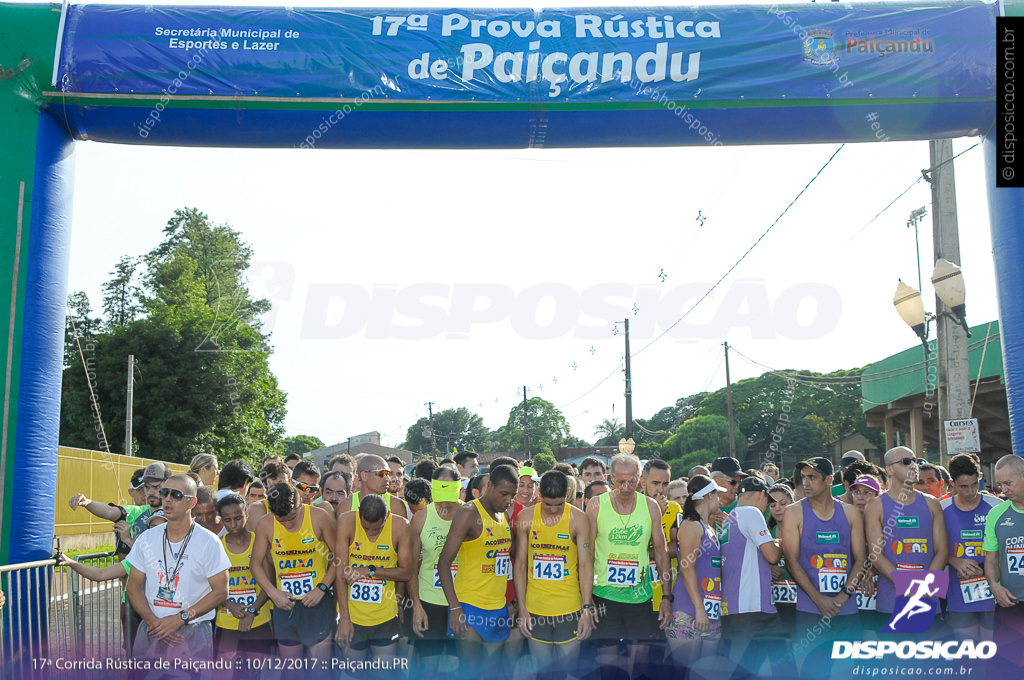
x,y
364,568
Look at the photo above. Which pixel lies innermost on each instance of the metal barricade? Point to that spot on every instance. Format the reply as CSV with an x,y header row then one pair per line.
x,y
35,621
53,613
96,610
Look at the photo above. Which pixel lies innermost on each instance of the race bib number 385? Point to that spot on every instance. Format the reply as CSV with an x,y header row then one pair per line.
x,y
297,585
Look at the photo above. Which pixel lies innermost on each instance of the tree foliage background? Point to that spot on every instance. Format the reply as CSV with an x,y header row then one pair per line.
x,y
202,382
453,427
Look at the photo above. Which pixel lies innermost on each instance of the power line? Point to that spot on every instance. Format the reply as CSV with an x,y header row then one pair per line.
x,y
724,276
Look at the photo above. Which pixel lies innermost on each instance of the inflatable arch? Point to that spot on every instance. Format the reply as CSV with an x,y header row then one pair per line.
x,y
348,78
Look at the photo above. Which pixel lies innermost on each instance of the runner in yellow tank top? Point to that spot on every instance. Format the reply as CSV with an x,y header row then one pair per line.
x,y
242,620
299,541
654,484
272,473
376,543
554,575
481,539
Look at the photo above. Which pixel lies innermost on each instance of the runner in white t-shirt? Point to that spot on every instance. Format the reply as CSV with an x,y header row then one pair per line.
x,y
179,575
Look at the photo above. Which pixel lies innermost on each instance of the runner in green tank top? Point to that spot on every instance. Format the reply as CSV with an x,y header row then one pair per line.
x,y
621,522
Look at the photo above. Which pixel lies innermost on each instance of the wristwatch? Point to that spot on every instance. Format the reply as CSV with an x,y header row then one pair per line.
x,y
669,596
371,570
849,591
249,610
323,586
184,616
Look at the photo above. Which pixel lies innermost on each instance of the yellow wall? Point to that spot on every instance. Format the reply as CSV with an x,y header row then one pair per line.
x,y
103,477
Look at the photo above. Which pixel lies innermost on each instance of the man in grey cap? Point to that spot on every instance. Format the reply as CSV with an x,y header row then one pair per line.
x,y
135,516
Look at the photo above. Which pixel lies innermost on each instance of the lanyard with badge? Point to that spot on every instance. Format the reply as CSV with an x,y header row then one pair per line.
x,y
165,593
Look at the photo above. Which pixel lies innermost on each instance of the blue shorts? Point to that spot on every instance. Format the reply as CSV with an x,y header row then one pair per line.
x,y
491,624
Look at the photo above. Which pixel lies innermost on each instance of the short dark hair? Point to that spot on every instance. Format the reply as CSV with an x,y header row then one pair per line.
x,y
657,464
205,494
274,468
394,459
462,456
964,464
590,461
257,484
372,508
235,474
337,474
564,468
343,458
554,484
231,499
282,499
588,492
305,467
505,460
441,472
504,473
449,460
857,468
475,484
292,456
425,468
417,491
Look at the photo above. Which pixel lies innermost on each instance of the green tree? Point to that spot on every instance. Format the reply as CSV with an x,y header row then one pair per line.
x,y
543,462
575,443
121,294
84,328
548,427
301,443
702,433
453,427
203,381
609,432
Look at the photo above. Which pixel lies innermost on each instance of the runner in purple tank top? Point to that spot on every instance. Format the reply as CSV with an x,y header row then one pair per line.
x,y
906,530
696,627
823,541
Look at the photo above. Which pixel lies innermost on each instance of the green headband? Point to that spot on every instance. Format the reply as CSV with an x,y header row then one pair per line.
x,y
444,491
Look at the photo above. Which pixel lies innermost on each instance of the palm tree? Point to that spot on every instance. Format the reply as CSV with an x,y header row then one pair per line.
x,y
610,429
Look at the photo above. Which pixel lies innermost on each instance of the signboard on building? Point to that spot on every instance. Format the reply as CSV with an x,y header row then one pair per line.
x,y
962,436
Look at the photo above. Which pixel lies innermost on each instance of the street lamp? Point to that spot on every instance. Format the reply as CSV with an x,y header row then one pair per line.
x,y
948,282
627,445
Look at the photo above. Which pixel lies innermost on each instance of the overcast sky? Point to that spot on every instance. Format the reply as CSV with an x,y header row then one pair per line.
x,y
375,261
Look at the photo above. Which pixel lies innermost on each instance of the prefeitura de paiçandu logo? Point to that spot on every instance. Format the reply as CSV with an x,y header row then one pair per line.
x,y
917,600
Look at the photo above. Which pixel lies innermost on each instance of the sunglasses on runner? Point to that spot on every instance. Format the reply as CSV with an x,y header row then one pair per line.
x,y
906,460
307,487
383,474
173,493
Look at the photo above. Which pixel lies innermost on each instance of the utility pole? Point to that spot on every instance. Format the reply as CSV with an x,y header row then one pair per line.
x,y
951,340
728,404
629,389
526,425
128,412
433,441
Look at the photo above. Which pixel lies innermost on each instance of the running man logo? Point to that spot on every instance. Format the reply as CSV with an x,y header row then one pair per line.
x,y
916,600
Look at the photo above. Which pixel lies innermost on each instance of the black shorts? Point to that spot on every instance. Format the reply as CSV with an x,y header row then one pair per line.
x,y
629,622
381,635
555,630
303,625
435,638
255,641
